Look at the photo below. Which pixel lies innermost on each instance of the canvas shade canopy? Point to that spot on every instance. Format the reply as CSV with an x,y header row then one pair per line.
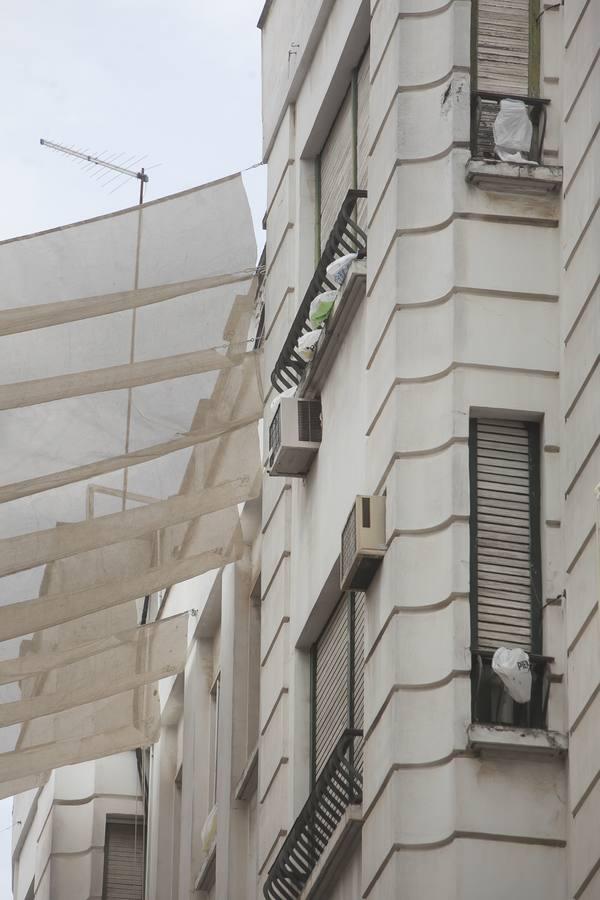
x,y
130,394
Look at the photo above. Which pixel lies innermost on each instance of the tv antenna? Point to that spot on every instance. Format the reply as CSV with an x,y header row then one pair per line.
x,y
104,163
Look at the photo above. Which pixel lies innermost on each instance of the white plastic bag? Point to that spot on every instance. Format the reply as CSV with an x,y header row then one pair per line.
x,y
514,670
512,131
338,269
321,307
307,344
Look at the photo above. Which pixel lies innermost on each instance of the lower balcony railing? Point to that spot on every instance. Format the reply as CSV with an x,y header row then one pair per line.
x,y
493,705
485,106
338,786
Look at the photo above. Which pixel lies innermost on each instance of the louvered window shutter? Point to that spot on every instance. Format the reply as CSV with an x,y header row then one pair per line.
x,y
362,135
505,540
336,167
338,680
123,860
503,46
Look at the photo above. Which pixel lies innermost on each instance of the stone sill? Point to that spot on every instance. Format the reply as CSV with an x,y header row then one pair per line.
x,y
510,739
335,854
350,296
513,178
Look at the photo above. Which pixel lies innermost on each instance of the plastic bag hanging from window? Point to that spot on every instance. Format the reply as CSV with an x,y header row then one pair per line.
x,y
513,668
513,132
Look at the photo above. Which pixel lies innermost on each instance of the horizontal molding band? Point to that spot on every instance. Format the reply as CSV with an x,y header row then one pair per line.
x,y
582,387
586,794
463,835
287,228
403,767
581,468
584,544
581,714
280,763
285,555
577,24
289,290
66,854
412,161
582,159
286,166
426,14
413,688
456,290
587,880
440,226
284,690
584,306
88,799
418,454
432,529
411,88
582,629
286,487
413,610
453,367
586,78
283,621
280,834
582,234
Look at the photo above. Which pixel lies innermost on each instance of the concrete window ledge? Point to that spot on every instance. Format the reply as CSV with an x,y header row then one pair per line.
x,y
512,178
513,740
335,854
350,296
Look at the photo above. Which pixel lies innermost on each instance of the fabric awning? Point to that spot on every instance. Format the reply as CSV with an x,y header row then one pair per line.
x,y
129,399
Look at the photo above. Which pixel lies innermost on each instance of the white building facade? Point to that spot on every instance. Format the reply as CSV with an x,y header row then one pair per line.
x,y
354,743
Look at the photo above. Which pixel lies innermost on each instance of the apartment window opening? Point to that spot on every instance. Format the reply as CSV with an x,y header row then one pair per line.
x,y
215,692
506,578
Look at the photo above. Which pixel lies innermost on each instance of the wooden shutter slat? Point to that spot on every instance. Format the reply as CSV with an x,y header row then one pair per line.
x,y
503,546
331,684
362,136
503,46
124,861
336,167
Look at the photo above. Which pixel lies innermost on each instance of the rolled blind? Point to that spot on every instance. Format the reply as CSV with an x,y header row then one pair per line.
x,y
339,679
362,138
336,167
503,46
123,861
505,539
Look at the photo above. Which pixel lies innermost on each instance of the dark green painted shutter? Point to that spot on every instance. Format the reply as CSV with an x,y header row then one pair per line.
x,y
123,861
338,688
506,533
336,165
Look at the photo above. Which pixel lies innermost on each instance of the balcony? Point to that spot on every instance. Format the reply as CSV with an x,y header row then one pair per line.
x,y
492,705
338,787
487,171
345,237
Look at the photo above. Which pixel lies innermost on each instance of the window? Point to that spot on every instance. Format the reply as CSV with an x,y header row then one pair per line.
x,y
505,64
214,739
342,164
506,589
123,859
338,681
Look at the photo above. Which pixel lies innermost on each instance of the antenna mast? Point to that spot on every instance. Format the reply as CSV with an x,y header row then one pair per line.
x,y
97,161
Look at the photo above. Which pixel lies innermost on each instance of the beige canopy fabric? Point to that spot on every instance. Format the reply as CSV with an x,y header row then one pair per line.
x,y
130,394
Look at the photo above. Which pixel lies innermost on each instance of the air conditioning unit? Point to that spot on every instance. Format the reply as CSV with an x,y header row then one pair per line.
x,y
294,436
363,543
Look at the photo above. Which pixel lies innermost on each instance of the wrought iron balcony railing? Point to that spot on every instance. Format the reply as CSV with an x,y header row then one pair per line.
x,y
492,704
485,106
345,237
338,786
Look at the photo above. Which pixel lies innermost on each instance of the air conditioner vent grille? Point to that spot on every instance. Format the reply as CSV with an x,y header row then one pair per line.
x,y
309,421
349,541
275,431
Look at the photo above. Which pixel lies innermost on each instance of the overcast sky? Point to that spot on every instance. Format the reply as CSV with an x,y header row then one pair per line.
x,y
177,82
